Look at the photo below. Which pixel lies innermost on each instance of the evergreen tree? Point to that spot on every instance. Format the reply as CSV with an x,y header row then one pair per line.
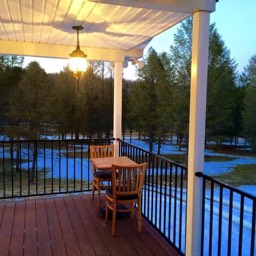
x,y
103,74
180,56
29,110
222,99
62,103
28,103
10,73
7,61
249,113
221,94
92,104
151,96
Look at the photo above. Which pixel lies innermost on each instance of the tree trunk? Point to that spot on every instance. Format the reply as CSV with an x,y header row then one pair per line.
x,y
34,164
159,146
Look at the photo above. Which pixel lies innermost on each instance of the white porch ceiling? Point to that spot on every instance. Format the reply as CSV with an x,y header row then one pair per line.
x,y
112,31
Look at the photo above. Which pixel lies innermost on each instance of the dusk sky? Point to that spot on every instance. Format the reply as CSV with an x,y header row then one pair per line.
x,y
235,21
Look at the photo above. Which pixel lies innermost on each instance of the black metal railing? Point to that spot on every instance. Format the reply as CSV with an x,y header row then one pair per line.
x,y
229,219
164,195
30,168
43,167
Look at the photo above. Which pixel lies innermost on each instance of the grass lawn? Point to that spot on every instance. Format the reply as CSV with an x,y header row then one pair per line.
x,y
13,183
183,159
240,175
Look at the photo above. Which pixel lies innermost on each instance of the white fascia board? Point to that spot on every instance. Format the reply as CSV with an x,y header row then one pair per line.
x,y
182,6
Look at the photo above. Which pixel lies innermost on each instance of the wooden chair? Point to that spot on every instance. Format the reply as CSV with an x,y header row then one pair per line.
x,y
126,190
99,176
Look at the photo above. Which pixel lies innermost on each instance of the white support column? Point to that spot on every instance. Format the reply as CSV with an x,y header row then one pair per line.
x,y
199,67
117,117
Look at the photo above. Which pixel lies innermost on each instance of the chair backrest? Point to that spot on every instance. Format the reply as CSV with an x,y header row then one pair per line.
x,y
101,151
128,180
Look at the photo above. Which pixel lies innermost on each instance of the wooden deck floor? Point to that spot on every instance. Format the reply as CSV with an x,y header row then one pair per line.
x,y
71,225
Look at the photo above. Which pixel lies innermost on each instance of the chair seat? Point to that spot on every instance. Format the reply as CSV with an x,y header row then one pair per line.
x,y
103,174
109,192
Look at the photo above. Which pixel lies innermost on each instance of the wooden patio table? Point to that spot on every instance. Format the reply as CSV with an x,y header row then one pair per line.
x,y
107,162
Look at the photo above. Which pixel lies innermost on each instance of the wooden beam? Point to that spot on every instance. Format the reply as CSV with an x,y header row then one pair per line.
x,y
62,51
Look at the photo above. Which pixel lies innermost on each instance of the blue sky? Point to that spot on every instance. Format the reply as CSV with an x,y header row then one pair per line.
x,y
235,21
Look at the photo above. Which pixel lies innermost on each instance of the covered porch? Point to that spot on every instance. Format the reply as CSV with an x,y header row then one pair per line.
x,y
118,31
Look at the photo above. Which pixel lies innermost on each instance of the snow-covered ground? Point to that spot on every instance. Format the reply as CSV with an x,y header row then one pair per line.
x,y
211,168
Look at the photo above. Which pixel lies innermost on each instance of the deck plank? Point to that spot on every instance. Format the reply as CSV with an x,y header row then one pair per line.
x,y
43,236
30,239
58,245
16,245
70,225
91,229
104,231
132,235
6,228
82,237
71,244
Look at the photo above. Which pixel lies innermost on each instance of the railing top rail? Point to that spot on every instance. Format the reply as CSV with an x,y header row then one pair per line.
x,y
153,154
56,140
200,174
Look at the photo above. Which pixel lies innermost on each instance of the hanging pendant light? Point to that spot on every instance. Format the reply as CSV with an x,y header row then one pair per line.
x,y
78,63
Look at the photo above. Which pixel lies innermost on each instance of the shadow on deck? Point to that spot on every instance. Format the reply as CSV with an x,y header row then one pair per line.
x,y
71,225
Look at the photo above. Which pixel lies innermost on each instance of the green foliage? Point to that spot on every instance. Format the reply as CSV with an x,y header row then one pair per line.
x,y
28,108
97,101
240,175
249,113
62,102
84,107
221,98
8,61
150,98
180,56
10,73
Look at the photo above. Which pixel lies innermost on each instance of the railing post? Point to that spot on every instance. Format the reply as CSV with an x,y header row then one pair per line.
x,y
199,66
117,120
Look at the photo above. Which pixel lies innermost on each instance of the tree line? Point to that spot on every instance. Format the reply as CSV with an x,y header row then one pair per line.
x,y
156,105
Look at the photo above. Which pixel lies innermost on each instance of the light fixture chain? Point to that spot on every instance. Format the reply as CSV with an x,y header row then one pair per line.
x,y
78,43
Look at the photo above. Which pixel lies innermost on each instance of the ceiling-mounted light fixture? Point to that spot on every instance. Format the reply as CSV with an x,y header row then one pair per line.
x,y
140,63
78,63
112,64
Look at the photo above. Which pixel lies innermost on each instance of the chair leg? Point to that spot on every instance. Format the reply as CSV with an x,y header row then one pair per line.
x,y
98,188
139,218
114,220
132,210
93,188
106,212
